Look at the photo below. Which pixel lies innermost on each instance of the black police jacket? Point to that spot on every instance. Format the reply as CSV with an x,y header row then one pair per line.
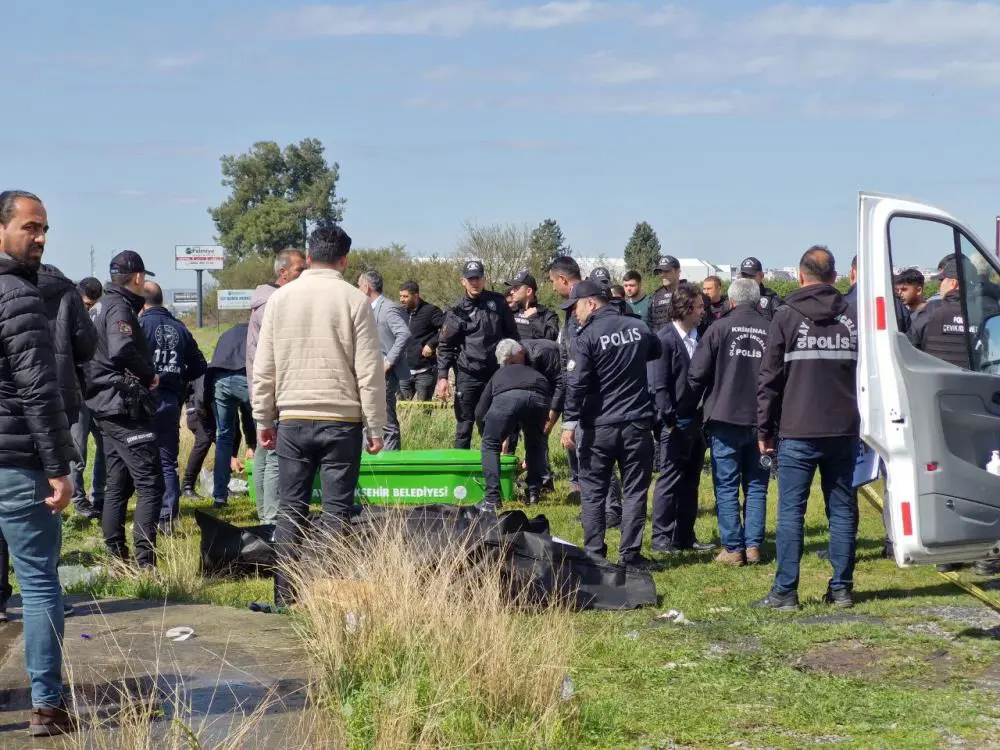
x,y
545,356
606,381
34,430
543,324
940,328
470,334
725,366
672,395
425,328
658,312
122,355
770,302
807,385
176,356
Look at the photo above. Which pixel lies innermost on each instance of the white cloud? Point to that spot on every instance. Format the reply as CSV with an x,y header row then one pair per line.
x,y
176,62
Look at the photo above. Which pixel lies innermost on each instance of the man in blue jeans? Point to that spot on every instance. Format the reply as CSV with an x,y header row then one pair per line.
x,y
724,373
807,396
35,454
227,385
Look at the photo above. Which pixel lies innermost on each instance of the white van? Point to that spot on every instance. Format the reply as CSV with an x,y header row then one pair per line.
x,y
934,425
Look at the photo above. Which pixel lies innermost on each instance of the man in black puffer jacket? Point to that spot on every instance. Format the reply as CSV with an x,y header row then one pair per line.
x,y
35,453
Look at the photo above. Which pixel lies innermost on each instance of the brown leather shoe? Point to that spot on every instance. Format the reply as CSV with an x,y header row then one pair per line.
x,y
753,556
51,722
735,557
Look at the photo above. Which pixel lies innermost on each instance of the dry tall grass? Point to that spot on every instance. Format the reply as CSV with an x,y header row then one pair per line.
x,y
419,653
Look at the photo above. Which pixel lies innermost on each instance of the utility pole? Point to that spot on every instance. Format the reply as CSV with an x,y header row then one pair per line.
x,y
93,268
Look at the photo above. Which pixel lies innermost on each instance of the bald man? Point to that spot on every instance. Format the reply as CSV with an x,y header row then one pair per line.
x,y
178,362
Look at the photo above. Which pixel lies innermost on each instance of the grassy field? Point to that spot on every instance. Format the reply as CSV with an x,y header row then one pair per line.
x,y
916,664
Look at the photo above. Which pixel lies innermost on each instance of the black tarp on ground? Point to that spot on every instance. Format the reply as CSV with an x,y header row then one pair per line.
x,y
536,566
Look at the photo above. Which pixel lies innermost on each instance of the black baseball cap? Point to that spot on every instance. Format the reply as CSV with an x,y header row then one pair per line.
x,y
949,268
523,278
600,274
473,269
128,262
751,267
584,289
667,262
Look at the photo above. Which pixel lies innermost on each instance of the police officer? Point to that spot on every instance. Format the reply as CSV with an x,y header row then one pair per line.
x,y
119,380
807,396
178,362
723,374
607,394
472,328
534,320
517,396
658,312
770,300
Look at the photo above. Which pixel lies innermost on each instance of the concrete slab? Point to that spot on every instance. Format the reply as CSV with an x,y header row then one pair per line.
x,y
237,663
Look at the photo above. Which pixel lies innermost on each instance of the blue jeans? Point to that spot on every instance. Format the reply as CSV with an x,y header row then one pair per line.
x,y
798,461
34,535
168,435
230,391
265,484
736,464
86,426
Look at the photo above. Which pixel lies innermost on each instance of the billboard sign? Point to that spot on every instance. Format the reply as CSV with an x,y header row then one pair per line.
x,y
199,257
234,299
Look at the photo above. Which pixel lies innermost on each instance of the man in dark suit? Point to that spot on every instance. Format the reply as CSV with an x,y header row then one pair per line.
x,y
393,334
682,449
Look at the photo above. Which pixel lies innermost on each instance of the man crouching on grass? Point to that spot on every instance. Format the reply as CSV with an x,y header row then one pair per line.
x,y
319,368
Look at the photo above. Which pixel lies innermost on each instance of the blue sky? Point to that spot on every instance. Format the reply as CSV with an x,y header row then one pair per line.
x,y
733,128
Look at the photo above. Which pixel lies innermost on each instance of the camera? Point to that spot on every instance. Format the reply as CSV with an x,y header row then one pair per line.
x,y
769,461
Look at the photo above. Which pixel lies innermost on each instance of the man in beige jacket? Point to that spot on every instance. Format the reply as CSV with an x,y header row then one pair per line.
x,y
319,367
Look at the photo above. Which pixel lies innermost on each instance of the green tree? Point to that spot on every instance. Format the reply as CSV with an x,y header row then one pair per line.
x,y
274,196
643,249
504,249
547,242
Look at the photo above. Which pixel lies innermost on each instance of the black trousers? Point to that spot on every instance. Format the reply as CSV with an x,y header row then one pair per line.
x,y
133,459
305,446
508,412
675,497
467,392
204,437
599,448
419,387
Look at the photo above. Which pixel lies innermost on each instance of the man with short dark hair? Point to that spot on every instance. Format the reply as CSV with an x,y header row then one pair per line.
x,y
564,275
717,303
770,300
288,266
903,320
682,449
472,328
91,290
533,320
178,362
425,321
639,302
394,335
319,367
658,312
35,453
807,398
120,379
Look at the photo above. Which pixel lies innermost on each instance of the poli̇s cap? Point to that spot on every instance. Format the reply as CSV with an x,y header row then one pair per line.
x,y
584,289
949,268
668,263
523,278
751,267
473,269
128,262
601,275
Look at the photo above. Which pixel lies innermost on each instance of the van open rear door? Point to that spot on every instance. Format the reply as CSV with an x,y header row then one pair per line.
x,y
935,425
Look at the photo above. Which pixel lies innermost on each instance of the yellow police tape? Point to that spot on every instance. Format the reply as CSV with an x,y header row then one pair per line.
x,y
970,588
435,404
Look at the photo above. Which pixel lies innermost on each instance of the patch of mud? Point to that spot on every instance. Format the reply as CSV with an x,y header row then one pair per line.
x,y
845,659
973,617
930,628
720,650
840,620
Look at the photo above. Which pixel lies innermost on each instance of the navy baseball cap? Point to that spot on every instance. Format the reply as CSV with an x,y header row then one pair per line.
x,y
128,262
601,274
584,289
523,278
667,263
473,269
949,268
751,267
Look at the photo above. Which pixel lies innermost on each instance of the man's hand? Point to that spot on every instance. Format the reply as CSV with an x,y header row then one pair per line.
x,y
568,440
374,444
550,423
505,447
155,383
267,438
529,312
62,493
443,389
765,446
249,453
235,465
426,351
387,366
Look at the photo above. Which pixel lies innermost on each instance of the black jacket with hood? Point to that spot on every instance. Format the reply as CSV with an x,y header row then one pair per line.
x,y
807,385
74,338
34,430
